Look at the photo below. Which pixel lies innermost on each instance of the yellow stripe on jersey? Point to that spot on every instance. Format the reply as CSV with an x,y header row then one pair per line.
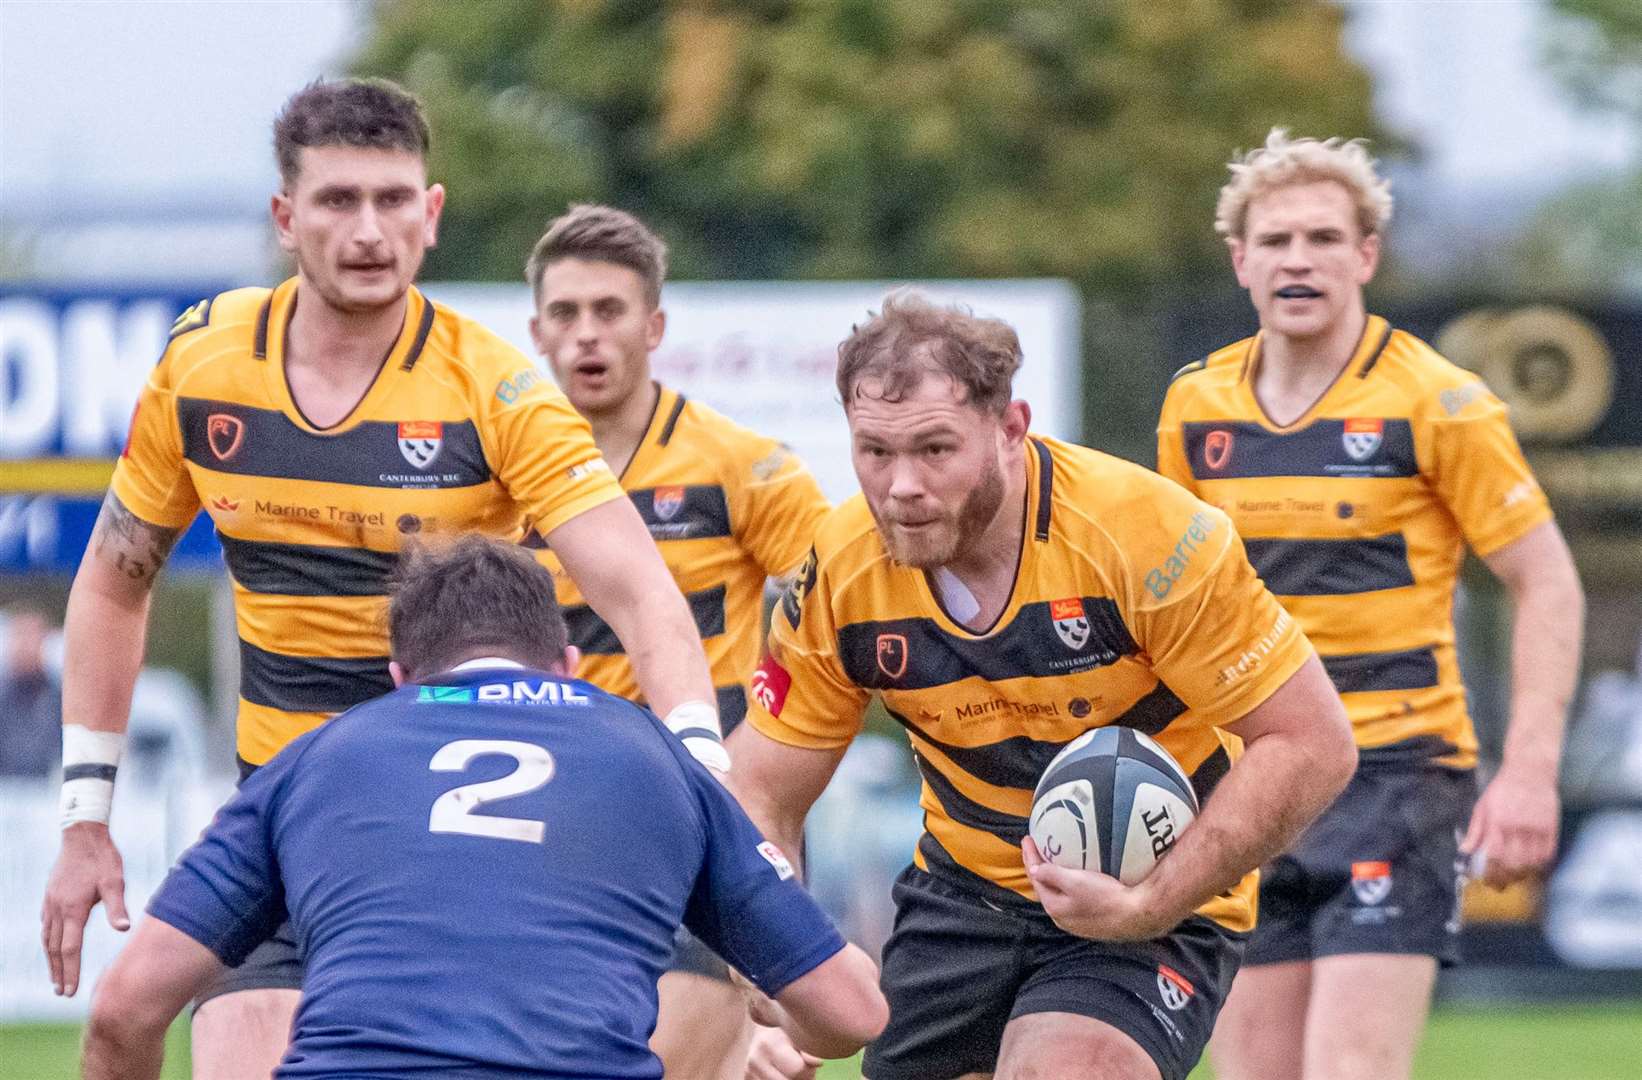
x,y
457,433
728,508
1357,515
1133,604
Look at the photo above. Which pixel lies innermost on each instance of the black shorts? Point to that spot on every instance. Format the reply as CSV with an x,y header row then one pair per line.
x,y
1379,872
957,969
276,964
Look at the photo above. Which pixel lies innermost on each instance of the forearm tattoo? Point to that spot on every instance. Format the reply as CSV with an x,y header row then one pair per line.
x,y
133,546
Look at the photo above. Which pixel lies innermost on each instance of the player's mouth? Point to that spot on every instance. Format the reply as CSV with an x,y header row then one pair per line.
x,y
367,268
1298,292
591,369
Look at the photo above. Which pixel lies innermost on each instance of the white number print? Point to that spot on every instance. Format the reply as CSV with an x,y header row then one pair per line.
x,y
454,811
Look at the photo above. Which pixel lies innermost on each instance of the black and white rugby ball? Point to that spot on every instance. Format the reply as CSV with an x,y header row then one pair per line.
x,y
1114,801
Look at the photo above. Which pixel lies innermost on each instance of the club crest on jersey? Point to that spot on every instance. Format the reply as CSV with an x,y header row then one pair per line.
x,y
1174,988
667,501
420,441
1217,449
1371,881
892,655
1362,437
1070,622
224,434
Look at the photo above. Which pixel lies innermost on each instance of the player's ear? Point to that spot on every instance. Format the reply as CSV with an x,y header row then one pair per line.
x,y
572,658
281,209
1369,248
436,206
1239,251
397,673
1016,421
654,328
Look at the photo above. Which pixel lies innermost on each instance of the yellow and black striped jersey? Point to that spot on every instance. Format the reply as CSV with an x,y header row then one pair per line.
x,y
458,432
1357,513
1133,604
728,508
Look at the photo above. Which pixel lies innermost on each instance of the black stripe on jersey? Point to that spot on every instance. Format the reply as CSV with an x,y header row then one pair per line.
x,y
732,706
969,813
309,683
1015,762
593,636
1332,567
259,343
702,513
1207,776
307,569
1318,449
1153,712
672,422
1046,489
264,442
423,328
1415,751
943,866
916,653
1414,669
1385,339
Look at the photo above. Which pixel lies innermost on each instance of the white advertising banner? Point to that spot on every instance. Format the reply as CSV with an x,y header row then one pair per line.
x,y
765,353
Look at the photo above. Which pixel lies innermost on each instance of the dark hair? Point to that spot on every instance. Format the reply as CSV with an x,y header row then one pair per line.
x,y
912,337
373,113
473,597
600,234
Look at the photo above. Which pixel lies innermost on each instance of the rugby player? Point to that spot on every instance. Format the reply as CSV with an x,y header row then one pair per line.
x,y
1358,465
321,423
728,508
1004,592
473,893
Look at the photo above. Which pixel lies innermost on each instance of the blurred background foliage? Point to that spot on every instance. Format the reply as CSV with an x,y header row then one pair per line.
x,y
878,139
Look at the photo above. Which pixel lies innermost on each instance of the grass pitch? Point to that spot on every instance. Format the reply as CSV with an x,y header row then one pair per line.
x,y
1553,1042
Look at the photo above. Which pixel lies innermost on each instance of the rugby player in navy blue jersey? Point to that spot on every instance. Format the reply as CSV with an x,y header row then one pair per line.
x,y
485,868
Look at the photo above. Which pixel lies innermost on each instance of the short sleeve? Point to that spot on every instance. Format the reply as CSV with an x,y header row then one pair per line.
x,y
225,892
1478,470
1212,631
801,695
778,506
747,904
545,455
1171,441
151,477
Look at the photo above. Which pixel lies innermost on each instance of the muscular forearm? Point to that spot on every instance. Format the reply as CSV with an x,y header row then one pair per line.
x,y
1545,649
1280,785
664,646
104,632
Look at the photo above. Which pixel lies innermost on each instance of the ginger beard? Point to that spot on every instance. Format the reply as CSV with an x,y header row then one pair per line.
x,y
929,544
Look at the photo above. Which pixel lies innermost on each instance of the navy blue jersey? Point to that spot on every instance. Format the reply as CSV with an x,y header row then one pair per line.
x,y
485,876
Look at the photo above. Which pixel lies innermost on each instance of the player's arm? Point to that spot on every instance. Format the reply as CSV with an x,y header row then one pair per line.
x,y
609,554
1515,821
152,979
1298,756
776,784
104,632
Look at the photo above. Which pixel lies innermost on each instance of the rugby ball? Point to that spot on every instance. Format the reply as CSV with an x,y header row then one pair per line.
x,y
1114,801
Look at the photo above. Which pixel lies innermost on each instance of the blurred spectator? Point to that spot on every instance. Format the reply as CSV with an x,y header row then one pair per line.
x,y
31,726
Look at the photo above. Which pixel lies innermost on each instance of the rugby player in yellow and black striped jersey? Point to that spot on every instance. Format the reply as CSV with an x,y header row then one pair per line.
x,y
320,424
1004,593
729,509
1358,464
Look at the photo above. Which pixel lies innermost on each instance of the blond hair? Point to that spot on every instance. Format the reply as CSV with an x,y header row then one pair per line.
x,y
1284,161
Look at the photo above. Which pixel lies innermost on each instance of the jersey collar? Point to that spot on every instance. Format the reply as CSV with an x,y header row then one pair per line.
x,y
1375,337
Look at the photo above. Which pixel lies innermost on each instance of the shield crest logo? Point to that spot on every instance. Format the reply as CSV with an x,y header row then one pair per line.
x,y
892,655
1362,437
667,501
1071,624
420,441
1371,881
224,434
1173,988
1217,449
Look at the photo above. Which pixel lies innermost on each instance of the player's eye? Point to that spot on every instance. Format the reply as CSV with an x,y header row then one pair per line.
x,y
336,200
609,310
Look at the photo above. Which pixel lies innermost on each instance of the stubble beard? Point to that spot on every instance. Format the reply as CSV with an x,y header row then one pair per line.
x,y
937,547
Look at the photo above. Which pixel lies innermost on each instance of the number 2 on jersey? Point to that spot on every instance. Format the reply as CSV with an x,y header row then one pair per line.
x,y
455,810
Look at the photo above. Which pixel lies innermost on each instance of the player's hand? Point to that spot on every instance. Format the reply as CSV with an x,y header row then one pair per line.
x,y
1514,825
772,1056
88,869
1090,904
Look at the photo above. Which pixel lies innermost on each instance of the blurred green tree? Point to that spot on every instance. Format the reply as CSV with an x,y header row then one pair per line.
x,y
1083,139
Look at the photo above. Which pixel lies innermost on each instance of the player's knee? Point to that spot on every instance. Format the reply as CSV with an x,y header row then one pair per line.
x,y
120,1015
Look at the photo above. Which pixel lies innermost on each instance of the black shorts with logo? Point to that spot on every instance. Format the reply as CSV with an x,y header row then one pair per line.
x,y
1379,872
957,969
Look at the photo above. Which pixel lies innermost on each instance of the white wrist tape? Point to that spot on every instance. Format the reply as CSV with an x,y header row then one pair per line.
x,y
90,759
696,724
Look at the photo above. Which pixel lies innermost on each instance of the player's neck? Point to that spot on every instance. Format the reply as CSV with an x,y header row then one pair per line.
x,y
343,344
1295,372
987,567
618,431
